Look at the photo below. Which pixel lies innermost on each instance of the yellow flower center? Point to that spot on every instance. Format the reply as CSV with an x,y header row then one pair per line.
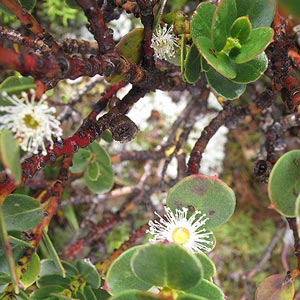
x,y
30,122
180,235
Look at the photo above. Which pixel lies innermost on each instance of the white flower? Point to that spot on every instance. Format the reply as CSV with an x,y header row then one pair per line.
x,y
164,42
187,232
32,123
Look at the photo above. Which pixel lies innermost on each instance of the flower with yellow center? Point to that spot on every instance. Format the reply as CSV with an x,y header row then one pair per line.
x,y
32,123
164,42
179,229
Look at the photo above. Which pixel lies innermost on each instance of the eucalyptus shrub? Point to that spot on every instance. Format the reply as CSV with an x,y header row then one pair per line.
x,y
59,163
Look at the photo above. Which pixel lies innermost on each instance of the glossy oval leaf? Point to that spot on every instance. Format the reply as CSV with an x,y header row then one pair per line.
x,y
224,87
207,194
284,183
257,42
137,295
224,16
202,20
90,273
10,155
32,272
260,12
218,60
167,265
206,289
251,70
120,276
89,293
275,287
241,29
192,65
209,268
105,181
21,212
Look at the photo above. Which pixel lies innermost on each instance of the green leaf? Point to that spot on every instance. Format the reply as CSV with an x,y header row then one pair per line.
x,y
53,279
292,7
70,215
16,84
206,289
297,207
257,42
192,65
90,273
48,267
284,183
80,160
72,4
138,295
28,4
21,212
10,155
241,29
209,268
130,47
32,272
190,297
105,181
223,86
120,276
167,265
251,70
260,12
52,253
207,194
88,293
223,18
218,60
93,171
201,21
47,292
275,287
4,278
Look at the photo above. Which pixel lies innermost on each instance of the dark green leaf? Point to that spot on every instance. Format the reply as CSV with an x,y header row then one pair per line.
x,y
218,60
207,194
90,273
192,65
223,86
21,212
241,29
257,42
89,294
167,265
284,183
260,12
72,4
53,279
202,20
251,70
223,18
48,267
46,292
70,215
27,4
120,276
10,155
